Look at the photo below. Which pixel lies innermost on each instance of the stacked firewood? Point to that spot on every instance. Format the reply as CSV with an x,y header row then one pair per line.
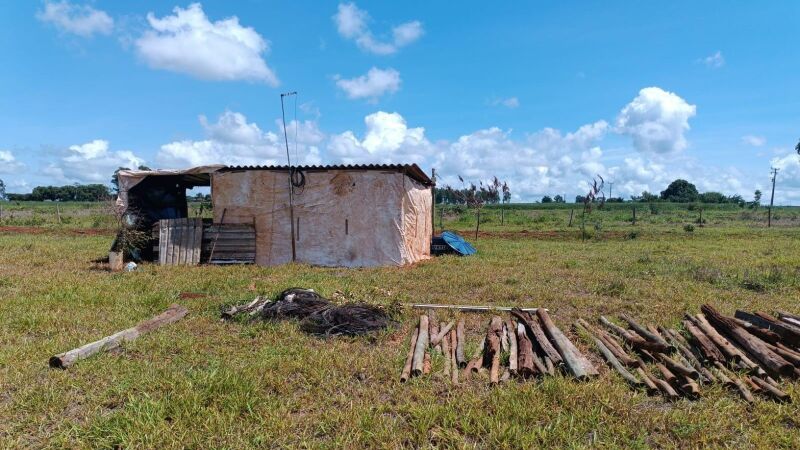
x,y
747,353
533,344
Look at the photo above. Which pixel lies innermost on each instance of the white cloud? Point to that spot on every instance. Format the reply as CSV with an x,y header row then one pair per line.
x,y
510,102
234,141
351,23
714,61
656,120
82,20
8,163
374,84
187,42
755,141
388,139
91,162
787,187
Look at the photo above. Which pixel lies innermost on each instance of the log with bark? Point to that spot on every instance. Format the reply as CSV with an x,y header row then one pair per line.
x,y
761,333
731,353
612,345
655,342
421,347
787,333
492,350
433,329
771,391
513,351
732,382
577,363
436,340
537,336
525,355
708,349
611,358
632,339
476,362
677,368
648,382
453,362
406,373
770,361
447,352
173,314
789,318
460,360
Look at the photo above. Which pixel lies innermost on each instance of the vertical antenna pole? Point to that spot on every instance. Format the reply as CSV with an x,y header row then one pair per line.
x,y
291,186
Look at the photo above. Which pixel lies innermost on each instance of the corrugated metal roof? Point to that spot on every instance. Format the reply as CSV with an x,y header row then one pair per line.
x,y
412,170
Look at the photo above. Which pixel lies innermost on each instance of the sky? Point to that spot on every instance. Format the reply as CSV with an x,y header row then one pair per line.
x,y
544,95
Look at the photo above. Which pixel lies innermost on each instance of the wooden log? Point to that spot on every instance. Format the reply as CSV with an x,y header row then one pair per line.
x,y
785,331
421,347
513,351
525,365
476,362
611,344
655,342
761,333
506,376
788,315
771,391
447,353
664,387
680,369
492,351
612,359
173,314
453,362
577,363
549,366
669,377
537,336
732,382
790,334
632,339
683,350
707,348
442,332
426,363
788,355
771,361
406,372
504,338
460,360
433,329
731,353
648,382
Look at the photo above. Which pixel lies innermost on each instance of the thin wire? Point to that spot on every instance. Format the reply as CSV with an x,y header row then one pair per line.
x,y
295,128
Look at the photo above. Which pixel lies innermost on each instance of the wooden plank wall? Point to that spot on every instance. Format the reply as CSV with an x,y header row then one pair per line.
x,y
179,241
229,244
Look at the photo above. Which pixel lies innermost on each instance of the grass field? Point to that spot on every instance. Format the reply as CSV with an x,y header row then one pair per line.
x,y
202,383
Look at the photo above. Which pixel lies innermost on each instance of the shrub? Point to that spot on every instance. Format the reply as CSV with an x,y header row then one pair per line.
x,y
689,228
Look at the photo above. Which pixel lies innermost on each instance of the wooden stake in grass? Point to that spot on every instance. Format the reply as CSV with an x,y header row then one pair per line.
x,y
525,365
538,335
421,347
577,363
412,343
173,314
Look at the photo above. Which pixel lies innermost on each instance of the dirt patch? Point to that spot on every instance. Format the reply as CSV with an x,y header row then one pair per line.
x,y
43,230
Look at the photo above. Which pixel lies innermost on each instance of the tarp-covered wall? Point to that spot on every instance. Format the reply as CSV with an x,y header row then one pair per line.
x,y
342,217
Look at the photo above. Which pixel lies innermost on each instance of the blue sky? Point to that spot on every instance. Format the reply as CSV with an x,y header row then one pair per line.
x,y
545,95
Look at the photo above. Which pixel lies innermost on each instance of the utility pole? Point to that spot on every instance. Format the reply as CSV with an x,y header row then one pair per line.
x,y
772,197
610,187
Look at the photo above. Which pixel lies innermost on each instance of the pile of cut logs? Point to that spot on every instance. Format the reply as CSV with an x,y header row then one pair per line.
x,y
747,353
534,344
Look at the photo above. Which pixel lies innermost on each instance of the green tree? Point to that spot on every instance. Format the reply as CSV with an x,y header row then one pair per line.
x,y
680,191
757,198
558,199
115,176
797,147
547,199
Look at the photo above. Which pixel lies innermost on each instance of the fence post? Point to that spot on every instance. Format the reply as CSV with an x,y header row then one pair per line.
x,y
634,215
477,224
570,217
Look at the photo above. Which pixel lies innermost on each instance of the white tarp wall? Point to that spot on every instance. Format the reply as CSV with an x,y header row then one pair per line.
x,y
349,218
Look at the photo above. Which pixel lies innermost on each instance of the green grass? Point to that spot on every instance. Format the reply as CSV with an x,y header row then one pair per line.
x,y
201,383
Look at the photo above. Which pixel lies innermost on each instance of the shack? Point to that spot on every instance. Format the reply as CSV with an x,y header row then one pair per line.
x,y
337,215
